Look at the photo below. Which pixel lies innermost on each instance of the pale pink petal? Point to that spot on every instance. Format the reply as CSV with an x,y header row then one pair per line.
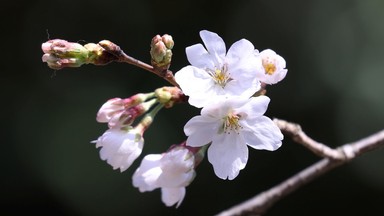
x,y
171,196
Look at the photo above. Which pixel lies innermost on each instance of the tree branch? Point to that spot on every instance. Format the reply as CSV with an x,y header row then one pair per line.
x,y
259,204
297,134
121,56
165,74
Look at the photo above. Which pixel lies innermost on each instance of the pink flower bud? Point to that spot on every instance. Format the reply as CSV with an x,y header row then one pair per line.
x,y
118,112
109,109
61,53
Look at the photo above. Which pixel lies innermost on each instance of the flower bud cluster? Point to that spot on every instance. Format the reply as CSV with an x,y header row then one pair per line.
x,y
59,54
161,51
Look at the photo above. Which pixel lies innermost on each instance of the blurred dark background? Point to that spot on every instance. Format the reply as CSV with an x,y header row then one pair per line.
x,y
334,89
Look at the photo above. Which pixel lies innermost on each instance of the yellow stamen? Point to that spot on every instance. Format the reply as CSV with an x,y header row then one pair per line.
x,y
220,76
269,67
231,123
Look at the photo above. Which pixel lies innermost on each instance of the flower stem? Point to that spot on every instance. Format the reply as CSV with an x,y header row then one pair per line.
x,y
120,56
147,120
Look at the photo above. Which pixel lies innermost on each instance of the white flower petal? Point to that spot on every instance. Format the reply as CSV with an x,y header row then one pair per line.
x,y
200,131
228,155
280,76
146,176
255,107
171,171
276,65
242,88
171,196
198,56
216,75
176,179
214,43
245,69
231,125
107,151
239,50
130,151
179,159
177,166
207,91
109,109
120,148
192,79
265,135
195,82
234,103
216,110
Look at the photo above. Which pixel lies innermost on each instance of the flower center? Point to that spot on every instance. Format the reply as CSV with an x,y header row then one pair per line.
x,y
269,67
220,76
231,123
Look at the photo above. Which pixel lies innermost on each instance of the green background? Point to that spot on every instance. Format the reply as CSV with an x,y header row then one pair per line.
x,y
334,89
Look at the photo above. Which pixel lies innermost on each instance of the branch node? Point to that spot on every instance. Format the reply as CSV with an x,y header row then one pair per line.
x,y
259,204
348,151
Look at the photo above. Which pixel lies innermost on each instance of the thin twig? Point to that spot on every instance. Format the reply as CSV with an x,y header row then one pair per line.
x,y
259,204
297,134
120,56
166,74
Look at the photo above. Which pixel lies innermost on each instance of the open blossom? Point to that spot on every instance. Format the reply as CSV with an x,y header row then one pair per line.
x,y
120,147
171,171
230,126
215,73
273,67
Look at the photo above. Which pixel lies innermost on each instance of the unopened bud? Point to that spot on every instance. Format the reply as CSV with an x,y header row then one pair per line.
x,y
161,53
130,114
158,52
168,96
168,41
61,53
119,111
111,48
155,40
97,54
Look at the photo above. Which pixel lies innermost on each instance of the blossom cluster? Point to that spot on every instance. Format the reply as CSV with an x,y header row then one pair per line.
x,y
223,83
227,85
